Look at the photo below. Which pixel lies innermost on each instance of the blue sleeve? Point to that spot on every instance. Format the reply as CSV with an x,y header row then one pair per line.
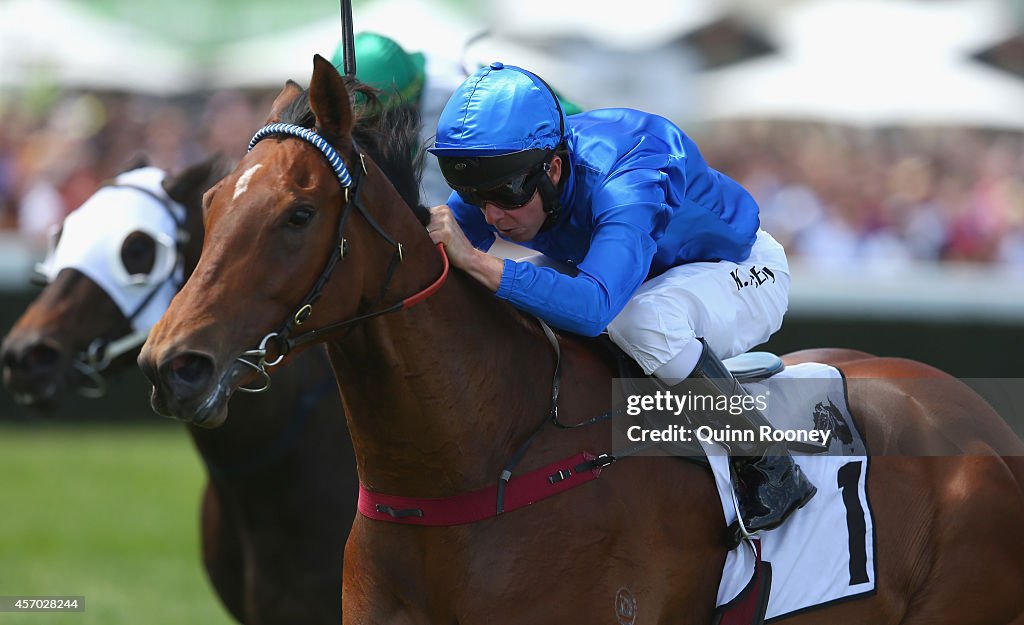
x,y
472,222
627,209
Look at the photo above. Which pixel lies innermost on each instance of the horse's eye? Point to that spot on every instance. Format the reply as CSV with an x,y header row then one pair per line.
x,y
138,253
300,217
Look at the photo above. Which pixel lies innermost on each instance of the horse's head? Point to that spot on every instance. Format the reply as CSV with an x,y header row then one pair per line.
x,y
111,272
293,209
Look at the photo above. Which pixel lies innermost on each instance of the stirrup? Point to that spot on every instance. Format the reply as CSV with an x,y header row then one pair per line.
x,y
737,531
796,490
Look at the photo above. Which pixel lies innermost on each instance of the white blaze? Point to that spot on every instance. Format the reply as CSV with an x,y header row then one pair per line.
x,y
243,181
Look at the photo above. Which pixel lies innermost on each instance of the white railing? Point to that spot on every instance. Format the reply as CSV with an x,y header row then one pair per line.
x,y
922,291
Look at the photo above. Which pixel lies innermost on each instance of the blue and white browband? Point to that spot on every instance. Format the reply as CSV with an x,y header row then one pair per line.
x,y
308,135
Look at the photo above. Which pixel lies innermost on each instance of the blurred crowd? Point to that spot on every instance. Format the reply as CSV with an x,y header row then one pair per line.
x,y
57,148
834,194
831,194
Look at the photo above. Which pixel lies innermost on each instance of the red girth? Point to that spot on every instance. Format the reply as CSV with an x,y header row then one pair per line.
x,y
482,504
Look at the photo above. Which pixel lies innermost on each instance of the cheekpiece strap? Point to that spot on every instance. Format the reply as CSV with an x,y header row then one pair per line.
x,y
332,156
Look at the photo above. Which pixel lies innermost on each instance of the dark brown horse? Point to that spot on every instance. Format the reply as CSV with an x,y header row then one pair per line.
x,y
439,397
270,559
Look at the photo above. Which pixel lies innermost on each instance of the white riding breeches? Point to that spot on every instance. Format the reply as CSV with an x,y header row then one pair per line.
x,y
733,306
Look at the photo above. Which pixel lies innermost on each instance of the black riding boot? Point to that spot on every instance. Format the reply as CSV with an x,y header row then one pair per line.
x,y
769,484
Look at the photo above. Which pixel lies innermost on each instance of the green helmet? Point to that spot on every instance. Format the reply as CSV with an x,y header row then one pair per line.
x,y
385,65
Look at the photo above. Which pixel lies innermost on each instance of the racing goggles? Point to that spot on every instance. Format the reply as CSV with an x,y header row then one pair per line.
x,y
480,180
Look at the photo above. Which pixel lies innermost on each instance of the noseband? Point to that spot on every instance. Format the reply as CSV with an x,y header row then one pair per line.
x,y
352,186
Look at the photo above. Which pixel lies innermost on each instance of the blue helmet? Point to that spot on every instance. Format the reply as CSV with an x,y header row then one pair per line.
x,y
500,109
497,136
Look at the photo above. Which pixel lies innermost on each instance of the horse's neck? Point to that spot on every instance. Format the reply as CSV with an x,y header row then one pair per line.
x,y
437,396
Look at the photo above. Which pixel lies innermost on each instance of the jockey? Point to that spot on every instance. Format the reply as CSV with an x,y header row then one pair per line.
x,y
666,254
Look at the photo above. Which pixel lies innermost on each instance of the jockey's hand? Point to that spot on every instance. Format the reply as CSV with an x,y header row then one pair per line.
x,y
444,229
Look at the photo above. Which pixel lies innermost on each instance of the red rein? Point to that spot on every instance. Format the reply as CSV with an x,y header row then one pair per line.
x,y
412,300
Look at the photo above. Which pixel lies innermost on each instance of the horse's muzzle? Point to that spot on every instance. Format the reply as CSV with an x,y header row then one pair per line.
x,y
183,384
33,370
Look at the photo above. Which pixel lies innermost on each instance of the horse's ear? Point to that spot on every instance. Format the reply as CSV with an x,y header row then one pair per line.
x,y
328,98
137,160
187,187
290,92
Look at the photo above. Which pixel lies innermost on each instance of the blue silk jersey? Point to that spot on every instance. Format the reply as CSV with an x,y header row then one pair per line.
x,y
640,199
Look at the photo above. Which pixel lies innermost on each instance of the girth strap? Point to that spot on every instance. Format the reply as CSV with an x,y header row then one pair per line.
x,y
478,505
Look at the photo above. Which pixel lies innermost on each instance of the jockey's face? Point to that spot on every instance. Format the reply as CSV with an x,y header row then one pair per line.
x,y
522,224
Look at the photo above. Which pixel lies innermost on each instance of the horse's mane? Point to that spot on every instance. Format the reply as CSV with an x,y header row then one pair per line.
x,y
389,136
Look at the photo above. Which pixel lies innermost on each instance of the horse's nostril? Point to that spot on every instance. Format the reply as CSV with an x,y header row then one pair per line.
x,y
189,368
188,372
41,358
33,359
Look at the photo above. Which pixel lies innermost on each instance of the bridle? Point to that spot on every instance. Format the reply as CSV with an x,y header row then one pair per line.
x,y
352,186
589,465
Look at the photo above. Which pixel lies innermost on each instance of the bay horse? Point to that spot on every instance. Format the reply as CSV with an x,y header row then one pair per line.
x,y
268,559
441,395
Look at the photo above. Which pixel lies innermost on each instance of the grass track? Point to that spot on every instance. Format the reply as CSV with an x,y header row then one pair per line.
x,y
109,512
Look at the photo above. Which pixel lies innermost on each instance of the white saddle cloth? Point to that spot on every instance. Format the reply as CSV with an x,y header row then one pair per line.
x,y
825,551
